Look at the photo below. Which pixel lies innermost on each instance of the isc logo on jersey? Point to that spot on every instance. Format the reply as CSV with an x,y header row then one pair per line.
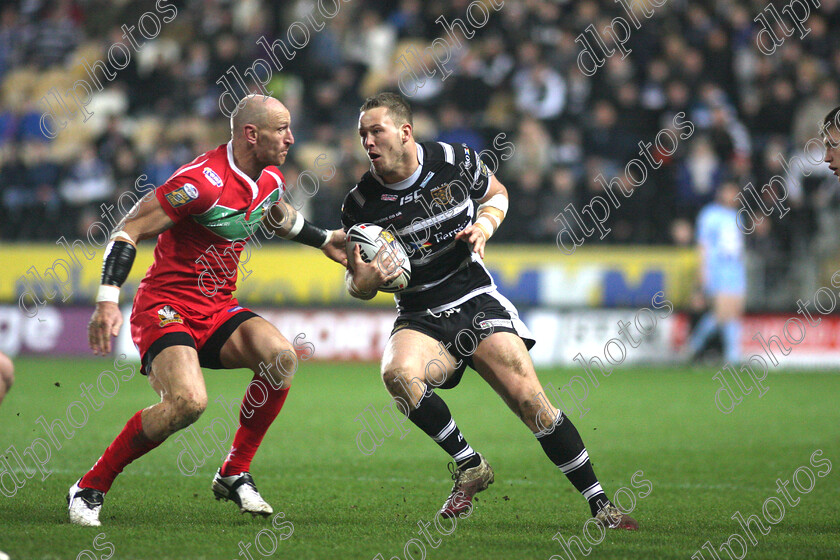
x,y
409,197
182,195
213,177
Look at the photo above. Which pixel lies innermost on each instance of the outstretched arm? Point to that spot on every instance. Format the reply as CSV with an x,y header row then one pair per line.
x,y
282,219
147,219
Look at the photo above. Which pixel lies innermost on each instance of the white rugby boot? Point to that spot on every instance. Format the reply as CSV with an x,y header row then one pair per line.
x,y
241,490
84,505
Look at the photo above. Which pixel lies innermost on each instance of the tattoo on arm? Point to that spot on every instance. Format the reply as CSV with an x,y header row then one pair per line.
x,y
280,218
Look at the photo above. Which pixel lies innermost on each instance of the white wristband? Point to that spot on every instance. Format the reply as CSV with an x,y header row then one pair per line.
x,y
327,240
122,235
108,293
488,225
296,227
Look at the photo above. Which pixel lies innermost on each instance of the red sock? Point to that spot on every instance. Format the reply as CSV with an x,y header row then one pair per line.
x,y
131,444
261,405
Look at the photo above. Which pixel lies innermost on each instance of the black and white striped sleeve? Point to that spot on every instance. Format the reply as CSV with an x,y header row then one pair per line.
x,y
471,170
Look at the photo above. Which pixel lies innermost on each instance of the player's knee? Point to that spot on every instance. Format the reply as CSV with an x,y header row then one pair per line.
x,y
512,363
187,407
7,371
279,362
287,364
7,378
398,380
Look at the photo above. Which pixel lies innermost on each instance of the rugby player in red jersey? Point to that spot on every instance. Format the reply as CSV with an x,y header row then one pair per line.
x,y
182,321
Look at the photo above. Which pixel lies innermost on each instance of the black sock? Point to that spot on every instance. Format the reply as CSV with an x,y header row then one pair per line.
x,y
565,448
433,417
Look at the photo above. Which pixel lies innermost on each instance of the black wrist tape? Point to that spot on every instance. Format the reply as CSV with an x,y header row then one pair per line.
x,y
119,256
311,235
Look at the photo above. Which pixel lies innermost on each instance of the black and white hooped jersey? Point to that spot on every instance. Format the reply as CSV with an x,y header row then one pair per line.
x,y
425,211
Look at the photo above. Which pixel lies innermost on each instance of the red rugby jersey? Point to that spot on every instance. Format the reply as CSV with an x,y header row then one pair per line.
x,y
215,207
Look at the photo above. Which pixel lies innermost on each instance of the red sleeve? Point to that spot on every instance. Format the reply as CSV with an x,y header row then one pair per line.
x,y
184,195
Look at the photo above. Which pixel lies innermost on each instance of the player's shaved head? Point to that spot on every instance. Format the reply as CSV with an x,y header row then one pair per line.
x,y
257,110
261,134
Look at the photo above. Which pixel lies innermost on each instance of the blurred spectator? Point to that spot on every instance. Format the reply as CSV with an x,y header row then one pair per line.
x,y
453,129
88,180
540,91
698,177
532,145
17,197
112,140
607,137
11,40
55,36
162,165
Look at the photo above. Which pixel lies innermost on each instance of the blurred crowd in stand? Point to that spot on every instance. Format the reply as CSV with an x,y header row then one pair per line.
x,y
518,75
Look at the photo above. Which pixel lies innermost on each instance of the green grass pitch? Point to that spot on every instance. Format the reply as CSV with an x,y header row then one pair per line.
x,y
703,466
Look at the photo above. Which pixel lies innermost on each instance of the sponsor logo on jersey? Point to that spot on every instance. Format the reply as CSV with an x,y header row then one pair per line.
x,y
442,195
427,179
488,323
417,246
452,232
467,155
213,177
235,308
167,316
483,169
182,195
400,325
390,197
410,196
190,190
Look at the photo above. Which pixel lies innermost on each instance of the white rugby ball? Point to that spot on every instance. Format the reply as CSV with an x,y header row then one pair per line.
x,y
371,238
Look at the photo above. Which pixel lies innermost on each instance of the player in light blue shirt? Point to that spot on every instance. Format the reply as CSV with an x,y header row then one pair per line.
x,y
723,271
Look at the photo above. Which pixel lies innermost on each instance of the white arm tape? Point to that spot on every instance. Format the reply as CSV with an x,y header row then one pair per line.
x,y
122,235
487,224
108,293
327,240
497,201
298,225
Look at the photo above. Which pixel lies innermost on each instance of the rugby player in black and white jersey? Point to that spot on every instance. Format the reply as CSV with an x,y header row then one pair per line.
x,y
451,315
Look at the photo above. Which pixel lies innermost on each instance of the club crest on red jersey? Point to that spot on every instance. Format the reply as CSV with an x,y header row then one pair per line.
x,y
167,316
182,195
213,177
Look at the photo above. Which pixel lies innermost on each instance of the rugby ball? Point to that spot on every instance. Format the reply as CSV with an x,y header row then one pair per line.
x,y
371,238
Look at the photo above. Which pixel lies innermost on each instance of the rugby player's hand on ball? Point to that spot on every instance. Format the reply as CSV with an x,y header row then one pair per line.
x,y
105,323
335,249
474,235
368,277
